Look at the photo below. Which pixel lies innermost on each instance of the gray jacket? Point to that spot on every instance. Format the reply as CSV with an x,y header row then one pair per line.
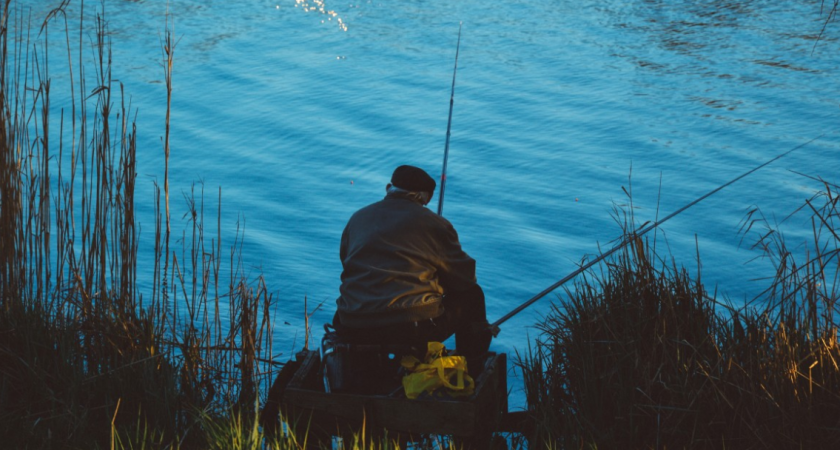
x,y
399,259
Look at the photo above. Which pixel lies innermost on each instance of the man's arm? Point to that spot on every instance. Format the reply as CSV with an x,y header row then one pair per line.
x,y
456,269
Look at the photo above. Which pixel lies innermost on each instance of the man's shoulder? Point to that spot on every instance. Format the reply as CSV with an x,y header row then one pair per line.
x,y
402,208
373,208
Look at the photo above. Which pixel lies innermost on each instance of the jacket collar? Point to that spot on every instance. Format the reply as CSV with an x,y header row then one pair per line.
x,y
400,194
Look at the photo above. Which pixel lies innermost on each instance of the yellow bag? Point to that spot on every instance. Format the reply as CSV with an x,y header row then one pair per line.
x,y
437,371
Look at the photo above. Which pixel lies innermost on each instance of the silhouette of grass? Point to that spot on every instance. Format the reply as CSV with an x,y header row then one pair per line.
x,y
639,355
84,361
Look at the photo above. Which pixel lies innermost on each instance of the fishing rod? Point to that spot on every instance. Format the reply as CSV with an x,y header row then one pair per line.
x,y
494,327
449,126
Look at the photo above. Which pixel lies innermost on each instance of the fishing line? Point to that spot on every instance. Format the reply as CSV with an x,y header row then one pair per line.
x,y
449,126
632,237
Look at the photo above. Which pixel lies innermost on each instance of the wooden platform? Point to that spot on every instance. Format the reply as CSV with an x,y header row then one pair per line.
x,y
308,408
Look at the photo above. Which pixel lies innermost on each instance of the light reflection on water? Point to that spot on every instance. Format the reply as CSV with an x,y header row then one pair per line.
x,y
320,6
300,111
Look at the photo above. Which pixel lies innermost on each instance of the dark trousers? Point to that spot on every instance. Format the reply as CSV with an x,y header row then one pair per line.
x,y
465,316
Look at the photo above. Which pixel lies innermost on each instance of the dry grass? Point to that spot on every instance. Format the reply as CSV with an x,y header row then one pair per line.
x,y
84,361
640,356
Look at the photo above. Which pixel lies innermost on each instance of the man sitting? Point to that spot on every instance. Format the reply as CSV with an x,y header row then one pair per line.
x,y
406,280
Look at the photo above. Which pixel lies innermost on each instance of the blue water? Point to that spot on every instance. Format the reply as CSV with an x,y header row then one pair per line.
x,y
301,113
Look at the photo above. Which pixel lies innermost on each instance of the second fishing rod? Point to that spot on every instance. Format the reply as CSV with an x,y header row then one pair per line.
x,y
633,236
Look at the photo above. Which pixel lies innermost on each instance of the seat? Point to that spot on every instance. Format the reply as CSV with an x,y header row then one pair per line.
x,y
362,368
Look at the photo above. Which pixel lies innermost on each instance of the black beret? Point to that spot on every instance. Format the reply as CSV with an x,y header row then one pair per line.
x,y
413,179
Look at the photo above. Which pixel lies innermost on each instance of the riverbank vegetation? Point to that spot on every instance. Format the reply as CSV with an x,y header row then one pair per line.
x,y
636,355
640,355
87,361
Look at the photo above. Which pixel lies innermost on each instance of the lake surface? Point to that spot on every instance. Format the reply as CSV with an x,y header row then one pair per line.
x,y
300,111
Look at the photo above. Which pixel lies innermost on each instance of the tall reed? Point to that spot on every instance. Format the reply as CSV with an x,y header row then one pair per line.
x,y
639,355
84,362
